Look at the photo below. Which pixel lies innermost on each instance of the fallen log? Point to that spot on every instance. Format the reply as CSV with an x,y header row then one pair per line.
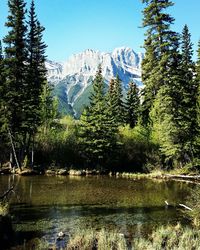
x,y
186,177
179,205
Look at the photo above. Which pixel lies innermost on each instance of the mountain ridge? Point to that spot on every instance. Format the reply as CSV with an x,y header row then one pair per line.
x,y
72,79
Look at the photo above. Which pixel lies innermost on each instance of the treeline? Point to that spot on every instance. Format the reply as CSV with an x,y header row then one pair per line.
x,y
25,95
108,136
156,127
171,94
169,109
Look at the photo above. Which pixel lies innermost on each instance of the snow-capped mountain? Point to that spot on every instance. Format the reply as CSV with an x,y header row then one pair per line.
x,y
55,71
73,78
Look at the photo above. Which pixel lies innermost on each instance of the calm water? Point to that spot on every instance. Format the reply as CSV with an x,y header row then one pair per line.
x,y
43,206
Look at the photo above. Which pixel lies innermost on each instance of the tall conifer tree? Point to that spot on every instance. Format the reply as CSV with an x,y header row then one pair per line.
x,y
198,65
3,111
176,104
111,92
197,79
149,64
36,74
16,70
164,129
117,102
98,136
3,120
132,105
111,99
186,115
48,108
167,79
160,44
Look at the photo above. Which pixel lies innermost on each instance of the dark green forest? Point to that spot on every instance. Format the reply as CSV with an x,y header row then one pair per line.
x,y
157,127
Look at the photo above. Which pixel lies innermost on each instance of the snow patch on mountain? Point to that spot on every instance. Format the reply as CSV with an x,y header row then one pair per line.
x,y
121,61
54,71
77,73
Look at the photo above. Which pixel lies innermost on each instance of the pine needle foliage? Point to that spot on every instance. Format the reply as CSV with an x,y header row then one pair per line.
x,y
98,130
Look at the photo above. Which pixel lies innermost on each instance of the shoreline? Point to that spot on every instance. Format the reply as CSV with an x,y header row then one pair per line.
x,y
192,177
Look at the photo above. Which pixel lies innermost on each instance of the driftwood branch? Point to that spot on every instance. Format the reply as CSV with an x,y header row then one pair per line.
x,y
6,193
180,205
186,207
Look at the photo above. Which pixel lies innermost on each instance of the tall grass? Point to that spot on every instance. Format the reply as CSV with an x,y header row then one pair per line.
x,y
193,202
4,209
170,238
167,238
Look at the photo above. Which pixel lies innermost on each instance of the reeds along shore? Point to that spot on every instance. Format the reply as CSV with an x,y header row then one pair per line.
x,y
168,238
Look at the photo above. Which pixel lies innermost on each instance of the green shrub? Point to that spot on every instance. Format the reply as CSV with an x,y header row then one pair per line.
x,y
138,151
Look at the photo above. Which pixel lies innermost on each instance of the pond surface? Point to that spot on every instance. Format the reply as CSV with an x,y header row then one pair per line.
x,y
43,206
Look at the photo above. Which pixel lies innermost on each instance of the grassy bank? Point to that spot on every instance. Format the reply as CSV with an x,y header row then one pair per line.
x,y
168,238
180,174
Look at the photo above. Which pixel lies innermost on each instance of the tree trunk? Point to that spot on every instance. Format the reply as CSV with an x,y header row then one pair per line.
x,y
13,148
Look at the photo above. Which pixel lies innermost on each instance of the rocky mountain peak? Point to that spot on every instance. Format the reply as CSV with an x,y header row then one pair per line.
x,y
73,78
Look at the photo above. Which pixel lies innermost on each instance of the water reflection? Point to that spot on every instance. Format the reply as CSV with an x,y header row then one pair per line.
x,y
44,206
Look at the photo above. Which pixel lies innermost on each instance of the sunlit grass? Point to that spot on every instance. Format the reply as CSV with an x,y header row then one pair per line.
x,y
4,209
154,174
85,239
168,238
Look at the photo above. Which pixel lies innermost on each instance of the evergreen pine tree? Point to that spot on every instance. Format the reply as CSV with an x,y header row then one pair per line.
x,y
169,92
160,44
186,105
15,69
132,105
3,111
176,104
117,102
48,108
164,129
187,52
3,120
197,79
111,98
149,64
36,74
97,130
198,65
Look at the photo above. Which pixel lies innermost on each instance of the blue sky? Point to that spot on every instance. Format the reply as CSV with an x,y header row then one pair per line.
x,y
75,25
